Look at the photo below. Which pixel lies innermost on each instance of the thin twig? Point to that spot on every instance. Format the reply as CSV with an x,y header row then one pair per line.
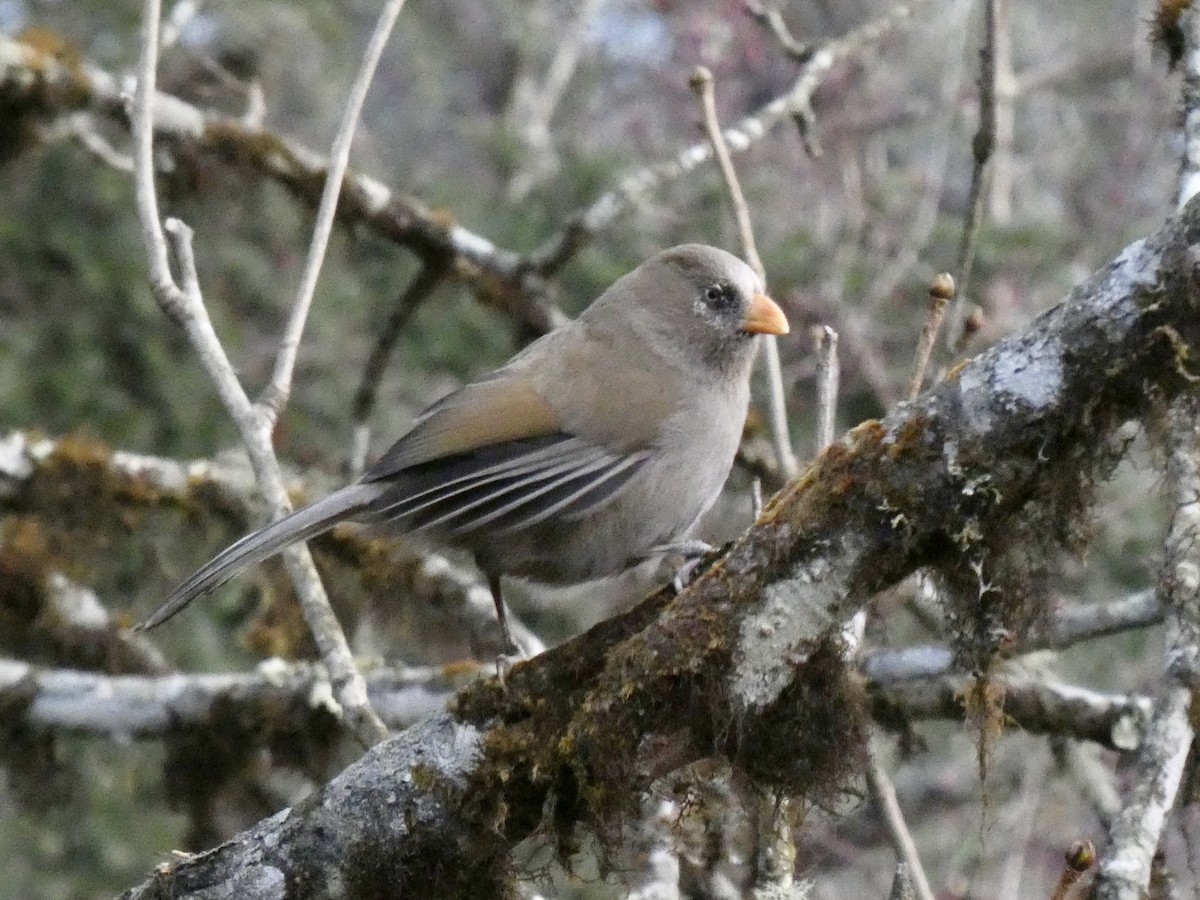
x,y
702,83
1089,774
186,306
608,207
902,886
1004,116
1189,163
409,301
181,15
883,793
982,146
825,341
275,395
941,292
857,321
777,852
768,15
534,102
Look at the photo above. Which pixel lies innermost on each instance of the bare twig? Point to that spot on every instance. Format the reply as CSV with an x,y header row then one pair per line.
x,y
181,15
883,793
902,884
981,151
1024,809
1004,99
1091,775
941,292
702,84
856,323
776,850
607,208
534,101
1189,163
185,304
825,340
275,395
82,127
409,301
768,15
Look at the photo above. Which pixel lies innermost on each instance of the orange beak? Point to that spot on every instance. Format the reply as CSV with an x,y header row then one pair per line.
x,y
765,317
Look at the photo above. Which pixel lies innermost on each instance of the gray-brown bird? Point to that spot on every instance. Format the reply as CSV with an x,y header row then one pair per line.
x,y
597,446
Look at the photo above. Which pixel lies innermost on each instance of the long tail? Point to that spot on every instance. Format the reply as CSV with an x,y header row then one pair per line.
x,y
266,542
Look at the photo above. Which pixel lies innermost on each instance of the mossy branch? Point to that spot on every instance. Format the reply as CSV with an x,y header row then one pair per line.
x,y
993,461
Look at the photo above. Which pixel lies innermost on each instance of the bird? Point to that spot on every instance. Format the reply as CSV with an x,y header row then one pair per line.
x,y
598,446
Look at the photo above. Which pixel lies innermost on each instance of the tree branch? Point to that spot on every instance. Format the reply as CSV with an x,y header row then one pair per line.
x,y
185,304
275,394
35,83
740,664
610,206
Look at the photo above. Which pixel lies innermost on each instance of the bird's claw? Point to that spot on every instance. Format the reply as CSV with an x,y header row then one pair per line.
x,y
505,663
690,553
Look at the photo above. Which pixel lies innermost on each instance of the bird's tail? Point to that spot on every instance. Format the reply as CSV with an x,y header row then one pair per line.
x,y
266,542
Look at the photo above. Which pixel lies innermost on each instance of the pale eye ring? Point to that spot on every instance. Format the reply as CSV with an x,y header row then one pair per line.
x,y
718,295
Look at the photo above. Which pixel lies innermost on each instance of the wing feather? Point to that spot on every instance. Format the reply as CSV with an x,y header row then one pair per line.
x,y
506,486
593,491
469,474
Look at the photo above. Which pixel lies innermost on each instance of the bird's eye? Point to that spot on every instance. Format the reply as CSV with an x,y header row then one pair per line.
x,y
718,296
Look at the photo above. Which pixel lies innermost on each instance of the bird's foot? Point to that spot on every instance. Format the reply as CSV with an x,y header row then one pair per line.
x,y
689,553
513,654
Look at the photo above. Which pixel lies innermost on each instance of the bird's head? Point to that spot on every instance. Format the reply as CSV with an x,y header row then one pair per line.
x,y
700,305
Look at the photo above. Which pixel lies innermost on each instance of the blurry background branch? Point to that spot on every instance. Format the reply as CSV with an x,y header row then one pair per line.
x,y
143,489
634,188
36,82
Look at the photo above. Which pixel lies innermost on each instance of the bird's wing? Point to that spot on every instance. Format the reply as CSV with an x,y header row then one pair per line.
x,y
499,455
505,486
482,414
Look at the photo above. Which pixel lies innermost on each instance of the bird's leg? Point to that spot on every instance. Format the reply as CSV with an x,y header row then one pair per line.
x,y
512,654
690,552
510,645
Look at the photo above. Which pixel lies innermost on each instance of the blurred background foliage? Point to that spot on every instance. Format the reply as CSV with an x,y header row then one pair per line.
x,y
83,349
